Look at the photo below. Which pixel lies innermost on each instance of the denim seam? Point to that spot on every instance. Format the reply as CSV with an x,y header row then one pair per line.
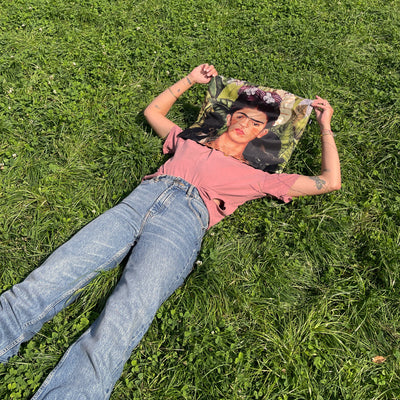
x,y
197,213
11,345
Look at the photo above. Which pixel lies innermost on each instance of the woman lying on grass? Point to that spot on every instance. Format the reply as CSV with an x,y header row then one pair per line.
x,y
160,225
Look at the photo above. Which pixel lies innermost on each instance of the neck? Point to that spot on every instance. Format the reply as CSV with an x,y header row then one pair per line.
x,y
228,147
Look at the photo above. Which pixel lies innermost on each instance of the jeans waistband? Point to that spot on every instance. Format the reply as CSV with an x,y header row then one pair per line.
x,y
190,189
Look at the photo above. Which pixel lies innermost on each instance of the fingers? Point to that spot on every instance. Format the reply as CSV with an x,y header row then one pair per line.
x,y
321,104
323,111
209,70
203,73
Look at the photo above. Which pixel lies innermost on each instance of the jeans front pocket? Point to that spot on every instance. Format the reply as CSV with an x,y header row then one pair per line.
x,y
200,210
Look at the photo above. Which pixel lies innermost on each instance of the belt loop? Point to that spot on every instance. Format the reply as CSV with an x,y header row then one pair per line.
x,y
190,190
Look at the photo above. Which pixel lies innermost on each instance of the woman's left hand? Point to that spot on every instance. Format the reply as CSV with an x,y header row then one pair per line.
x,y
330,178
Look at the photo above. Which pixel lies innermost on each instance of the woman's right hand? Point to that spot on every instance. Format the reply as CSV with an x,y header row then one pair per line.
x,y
202,73
157,110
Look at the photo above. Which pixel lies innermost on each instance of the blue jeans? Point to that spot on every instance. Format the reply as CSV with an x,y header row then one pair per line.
x,y
163,222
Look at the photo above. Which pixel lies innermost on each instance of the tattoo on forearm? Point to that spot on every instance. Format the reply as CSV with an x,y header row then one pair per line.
x,y
172,93
319,183
190,82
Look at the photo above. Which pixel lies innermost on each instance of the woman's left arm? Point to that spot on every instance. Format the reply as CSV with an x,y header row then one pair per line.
x,y
329,179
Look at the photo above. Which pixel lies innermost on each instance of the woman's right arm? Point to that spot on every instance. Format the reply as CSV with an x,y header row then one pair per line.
x,y
157,110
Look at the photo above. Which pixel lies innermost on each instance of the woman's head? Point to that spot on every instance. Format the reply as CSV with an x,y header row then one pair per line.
x,y
253,97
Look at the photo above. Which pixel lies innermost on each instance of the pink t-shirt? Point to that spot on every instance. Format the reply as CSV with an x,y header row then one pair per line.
x,y
220,177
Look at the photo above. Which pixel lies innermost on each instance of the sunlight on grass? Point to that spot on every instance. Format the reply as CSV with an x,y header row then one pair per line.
x,y
286,301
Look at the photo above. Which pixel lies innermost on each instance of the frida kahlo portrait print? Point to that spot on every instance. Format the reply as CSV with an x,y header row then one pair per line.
x,y
256,125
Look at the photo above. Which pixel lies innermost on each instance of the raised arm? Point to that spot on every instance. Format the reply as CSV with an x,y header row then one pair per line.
x,y
329,179
157,110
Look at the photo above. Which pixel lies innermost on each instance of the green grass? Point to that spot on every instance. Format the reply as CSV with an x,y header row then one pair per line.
x,y
289,301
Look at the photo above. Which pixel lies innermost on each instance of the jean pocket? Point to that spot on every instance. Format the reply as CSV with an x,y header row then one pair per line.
x,y
200,211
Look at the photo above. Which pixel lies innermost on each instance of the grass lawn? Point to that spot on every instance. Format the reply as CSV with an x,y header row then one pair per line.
x,y
286,301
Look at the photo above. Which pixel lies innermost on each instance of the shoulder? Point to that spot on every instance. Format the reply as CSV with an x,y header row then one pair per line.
x,y
279,185
172,139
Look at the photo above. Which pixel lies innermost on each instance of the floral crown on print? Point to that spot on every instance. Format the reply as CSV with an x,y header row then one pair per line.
x,y
271,98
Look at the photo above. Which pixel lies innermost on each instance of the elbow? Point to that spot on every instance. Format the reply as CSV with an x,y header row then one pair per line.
x,y
333,180
336,185
147,113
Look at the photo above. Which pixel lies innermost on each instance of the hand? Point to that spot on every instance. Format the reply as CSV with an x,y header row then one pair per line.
x,y
324,112
203,73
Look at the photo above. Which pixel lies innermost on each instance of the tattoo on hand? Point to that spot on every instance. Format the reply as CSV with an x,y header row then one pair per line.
x,y
319,183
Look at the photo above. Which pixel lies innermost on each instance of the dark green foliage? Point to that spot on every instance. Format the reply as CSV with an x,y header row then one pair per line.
x,y
286,301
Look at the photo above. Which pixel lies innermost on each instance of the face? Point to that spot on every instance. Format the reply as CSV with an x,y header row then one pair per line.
x,y
246,124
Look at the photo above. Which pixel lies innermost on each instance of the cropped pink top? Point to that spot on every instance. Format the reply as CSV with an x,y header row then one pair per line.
x,y
218,177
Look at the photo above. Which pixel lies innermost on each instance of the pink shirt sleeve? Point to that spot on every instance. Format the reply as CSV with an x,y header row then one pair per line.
x,y
278,185
172,140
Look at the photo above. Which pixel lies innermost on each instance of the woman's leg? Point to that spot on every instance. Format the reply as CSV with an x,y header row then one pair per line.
x,y
99,246
159,263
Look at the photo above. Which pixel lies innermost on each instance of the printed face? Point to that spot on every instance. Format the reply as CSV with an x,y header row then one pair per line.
x,y
246,124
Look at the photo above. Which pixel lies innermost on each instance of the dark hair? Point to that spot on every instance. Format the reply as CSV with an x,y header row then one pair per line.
x,y
253,97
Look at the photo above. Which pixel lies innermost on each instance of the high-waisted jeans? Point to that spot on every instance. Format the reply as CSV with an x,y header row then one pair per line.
x,y
163,222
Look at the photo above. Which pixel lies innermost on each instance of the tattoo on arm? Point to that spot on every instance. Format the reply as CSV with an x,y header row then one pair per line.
x,y
190,82
319,183
172,93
